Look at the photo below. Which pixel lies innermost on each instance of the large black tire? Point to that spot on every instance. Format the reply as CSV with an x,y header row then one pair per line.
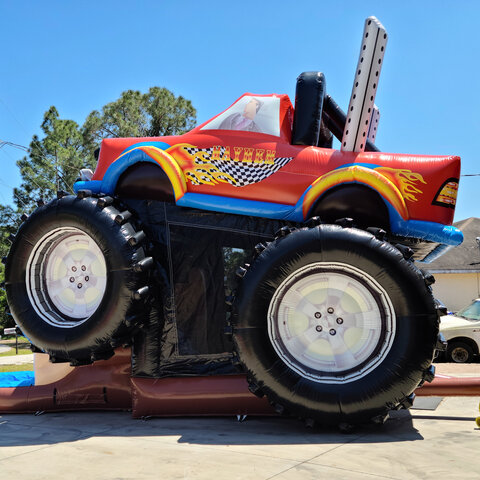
x,y
74,278
335,326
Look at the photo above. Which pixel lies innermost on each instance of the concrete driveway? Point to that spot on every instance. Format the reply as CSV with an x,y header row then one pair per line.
x,y
16,359
4,348
425,444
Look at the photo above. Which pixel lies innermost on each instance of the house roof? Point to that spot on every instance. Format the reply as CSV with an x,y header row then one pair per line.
x,y
466,257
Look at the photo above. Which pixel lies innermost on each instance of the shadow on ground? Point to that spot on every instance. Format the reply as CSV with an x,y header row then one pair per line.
x,y
51,428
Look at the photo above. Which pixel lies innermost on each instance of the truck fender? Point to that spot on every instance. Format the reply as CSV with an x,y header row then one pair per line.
x,y
142,154
387,190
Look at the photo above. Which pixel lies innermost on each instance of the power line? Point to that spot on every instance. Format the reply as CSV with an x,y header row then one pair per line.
x,y
4,143
26,149
14,193
20,147
31,179
14,117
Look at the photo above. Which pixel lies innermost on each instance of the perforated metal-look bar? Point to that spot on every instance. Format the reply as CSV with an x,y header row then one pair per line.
x,y
365,85
373,127
335,120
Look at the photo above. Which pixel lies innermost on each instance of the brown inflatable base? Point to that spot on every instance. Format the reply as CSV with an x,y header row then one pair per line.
x,y
446,386
218,395
102,386
107,385
229,395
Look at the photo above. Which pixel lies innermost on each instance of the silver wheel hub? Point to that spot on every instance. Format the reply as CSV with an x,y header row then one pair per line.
x,y
66,277
331,322
459,355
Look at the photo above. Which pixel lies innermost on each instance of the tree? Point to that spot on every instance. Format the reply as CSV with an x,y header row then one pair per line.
x,y
55,158
53,162
9,220
232,259
153,114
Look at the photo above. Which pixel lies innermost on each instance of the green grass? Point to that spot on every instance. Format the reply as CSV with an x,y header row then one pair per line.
x,y
9,339
17,368
23,346
12,352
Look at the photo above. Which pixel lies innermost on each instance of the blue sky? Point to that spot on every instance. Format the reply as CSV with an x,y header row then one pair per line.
x,y
79,56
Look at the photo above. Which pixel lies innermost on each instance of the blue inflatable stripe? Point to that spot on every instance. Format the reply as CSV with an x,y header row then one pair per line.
x,y
437,252
16,379
95,186
431,231
160,145
113,173
110,179
372,166
254,208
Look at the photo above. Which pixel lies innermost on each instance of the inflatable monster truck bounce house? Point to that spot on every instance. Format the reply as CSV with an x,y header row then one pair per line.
x,y
246,258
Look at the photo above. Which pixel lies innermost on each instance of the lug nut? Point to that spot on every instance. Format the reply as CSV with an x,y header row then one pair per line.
x,y
83,268
79,285
318,315
332,331
318,328
330,310
339,320
87,278
74,269
72,279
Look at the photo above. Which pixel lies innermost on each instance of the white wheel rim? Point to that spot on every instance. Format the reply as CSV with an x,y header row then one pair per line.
x,y
66,277
331,322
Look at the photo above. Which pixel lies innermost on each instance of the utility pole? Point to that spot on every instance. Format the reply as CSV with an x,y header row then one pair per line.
x,y
56,171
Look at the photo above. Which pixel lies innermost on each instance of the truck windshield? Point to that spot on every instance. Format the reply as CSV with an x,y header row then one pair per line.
x,y
471,312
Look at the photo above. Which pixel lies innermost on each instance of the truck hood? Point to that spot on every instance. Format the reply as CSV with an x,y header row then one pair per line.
x,y
448,322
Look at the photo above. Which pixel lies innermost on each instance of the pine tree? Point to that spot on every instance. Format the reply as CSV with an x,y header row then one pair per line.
x,y
56,157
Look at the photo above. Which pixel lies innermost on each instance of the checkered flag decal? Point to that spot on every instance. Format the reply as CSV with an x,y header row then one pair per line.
x,y
243,173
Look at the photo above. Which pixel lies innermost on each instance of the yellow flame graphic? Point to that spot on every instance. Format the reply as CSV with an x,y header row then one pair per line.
x,y
208,174
200,170
405,179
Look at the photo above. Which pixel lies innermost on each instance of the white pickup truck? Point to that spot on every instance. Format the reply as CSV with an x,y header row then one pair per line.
x,y
462,331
